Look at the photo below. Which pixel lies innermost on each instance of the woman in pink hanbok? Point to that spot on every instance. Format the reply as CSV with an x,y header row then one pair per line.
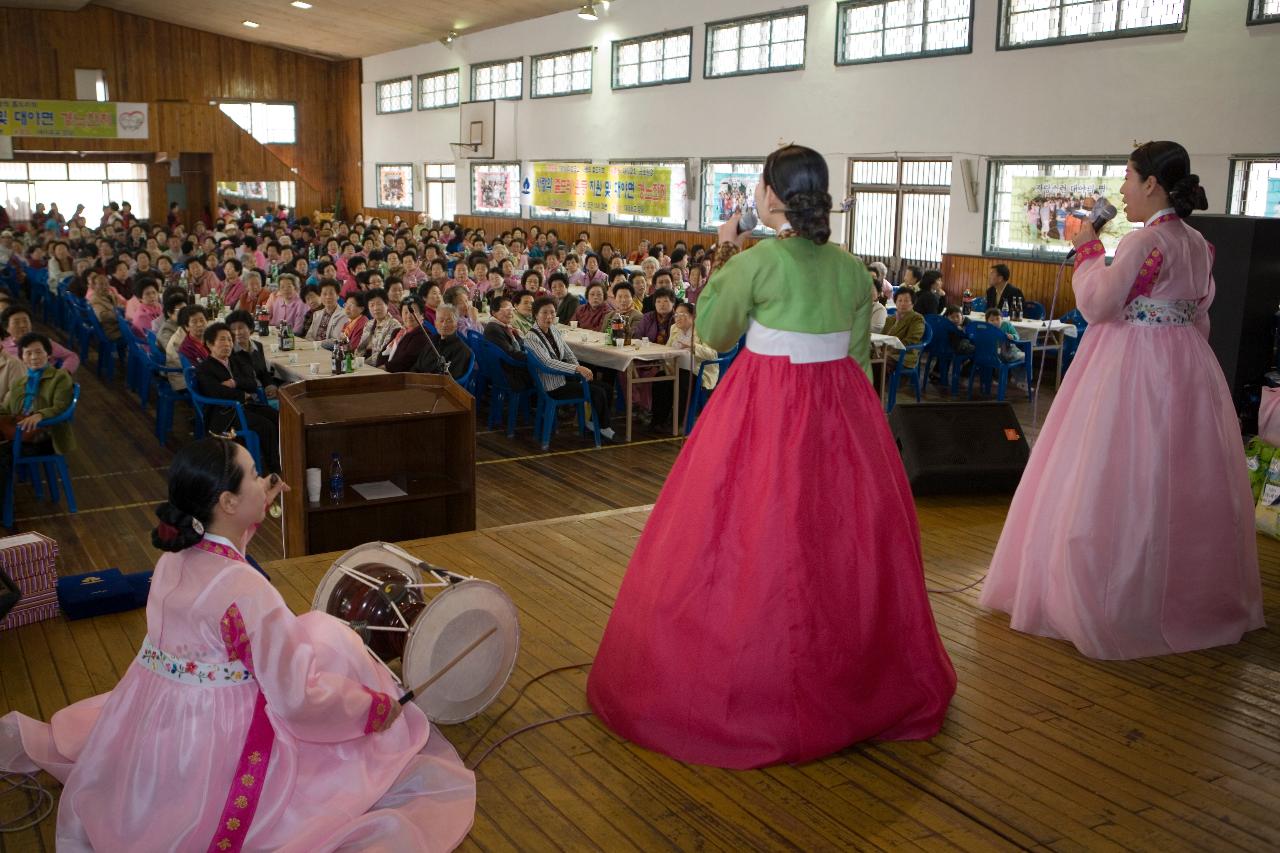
x,y
1131,533
240,726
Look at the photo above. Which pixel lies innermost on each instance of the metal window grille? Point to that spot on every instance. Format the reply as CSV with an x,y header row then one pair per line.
x,y
756,45
567,73
1255,186
653,60
497,80
439,89
1034,22
900,211
874,30
395,96
1264,11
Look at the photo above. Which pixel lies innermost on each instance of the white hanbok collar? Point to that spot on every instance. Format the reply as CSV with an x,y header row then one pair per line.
x,y
1157,215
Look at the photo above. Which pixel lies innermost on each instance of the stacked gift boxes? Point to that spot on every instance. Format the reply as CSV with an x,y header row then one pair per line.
x,y
30,559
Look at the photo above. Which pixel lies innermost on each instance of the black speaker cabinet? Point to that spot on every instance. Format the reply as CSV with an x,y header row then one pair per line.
x,y
960,448
1246,270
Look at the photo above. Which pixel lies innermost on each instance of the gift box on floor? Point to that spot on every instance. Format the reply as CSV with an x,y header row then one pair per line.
x,y
30,561
140,585
95,594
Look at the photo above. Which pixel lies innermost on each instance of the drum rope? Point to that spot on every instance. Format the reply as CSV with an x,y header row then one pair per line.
x,y
40,798
512,704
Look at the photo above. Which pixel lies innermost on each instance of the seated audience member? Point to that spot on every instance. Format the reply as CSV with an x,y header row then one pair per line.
x,y
144,307
288,307
173,303
450,346
931,298
104,300
120,277
879,313
201,281
530,282
462,278
233,284
880,277
1008,353
696,284
15,324
255,295
327,321
501,332
221,378
402,353
907,326
566,303
523,318
656,324
683,337
381,329
662,280
395,290
591,315
465,314
248,354
961,344
352,334
430,300
624,306
911,281
1000,293
40,393
639,288
187,341
545,341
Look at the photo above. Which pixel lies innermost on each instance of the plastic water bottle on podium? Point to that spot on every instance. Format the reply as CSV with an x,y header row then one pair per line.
x,y
336,484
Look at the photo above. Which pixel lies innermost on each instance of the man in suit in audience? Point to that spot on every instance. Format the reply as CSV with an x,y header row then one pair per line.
x,y
500,332
1000,293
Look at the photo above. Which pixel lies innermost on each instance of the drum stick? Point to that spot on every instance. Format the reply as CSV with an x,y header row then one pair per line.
x,y
448,666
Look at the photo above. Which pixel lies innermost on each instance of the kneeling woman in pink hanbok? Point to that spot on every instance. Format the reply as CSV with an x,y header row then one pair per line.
x,y
240,726
1131,533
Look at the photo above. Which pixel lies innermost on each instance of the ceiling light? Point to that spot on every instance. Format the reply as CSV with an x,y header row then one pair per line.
x,y
253,25
448,39
588,13
298,4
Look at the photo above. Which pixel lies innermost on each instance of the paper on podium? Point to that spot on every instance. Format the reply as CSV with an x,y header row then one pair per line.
x,y
378,490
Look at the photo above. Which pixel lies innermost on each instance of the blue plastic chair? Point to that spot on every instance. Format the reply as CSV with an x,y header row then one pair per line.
x,y
199,401
900,370
167,399
137,363
939,352
1070,345
107,348
1033,310
478,383
54,466
502,396
988,340
979,304
544,422
698,400
78,332
38,280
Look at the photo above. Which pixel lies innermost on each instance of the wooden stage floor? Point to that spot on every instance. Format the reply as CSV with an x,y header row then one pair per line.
x,y
1042,749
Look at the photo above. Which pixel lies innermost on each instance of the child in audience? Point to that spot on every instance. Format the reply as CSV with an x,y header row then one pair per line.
x,y
1008,353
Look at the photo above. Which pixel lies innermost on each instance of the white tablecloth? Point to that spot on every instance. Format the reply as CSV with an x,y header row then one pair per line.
x,y
887,340
1028,329
307,353
590,348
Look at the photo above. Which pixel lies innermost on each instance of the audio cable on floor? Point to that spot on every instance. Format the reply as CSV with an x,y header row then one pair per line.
x,y
41,799
512,704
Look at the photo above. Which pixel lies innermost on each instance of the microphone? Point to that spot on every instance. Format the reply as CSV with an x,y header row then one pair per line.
x,y
1102,213
748,221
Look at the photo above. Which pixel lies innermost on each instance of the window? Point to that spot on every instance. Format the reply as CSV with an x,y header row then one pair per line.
x,y
440,181
91,84
873,30
1025,23
1030,204
267,123
395,96
566,73
395,185
727,187
653,60
1264,11
23,185
497,80
1255,186
756,45
439,89
900,211
495,189
679,190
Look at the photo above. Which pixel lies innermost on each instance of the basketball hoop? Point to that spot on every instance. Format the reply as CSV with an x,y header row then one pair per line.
x,y
460,147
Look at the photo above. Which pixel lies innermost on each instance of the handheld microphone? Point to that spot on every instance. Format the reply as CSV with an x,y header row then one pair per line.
x,y
748,222
1102,213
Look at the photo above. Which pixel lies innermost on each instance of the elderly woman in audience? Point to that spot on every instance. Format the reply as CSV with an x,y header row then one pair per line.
x,y
201,281
592,315
121,277
143,307
450,346
42,393
255,295
931,297
402,353
247,353
222,378
879,313
327,321
566,303
357,320
187,341
907,326
288,307
656,324
523,318
396,289
624,306
233,285
531,282
104,299
466,316
545,341
431,299
15,324
683,337
175,300
382,327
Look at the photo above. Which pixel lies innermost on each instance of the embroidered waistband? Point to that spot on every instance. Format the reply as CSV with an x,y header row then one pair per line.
x,y
1144,311
800,347
226,674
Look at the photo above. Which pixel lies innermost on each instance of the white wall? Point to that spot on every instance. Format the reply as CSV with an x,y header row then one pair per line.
x,y
1213,88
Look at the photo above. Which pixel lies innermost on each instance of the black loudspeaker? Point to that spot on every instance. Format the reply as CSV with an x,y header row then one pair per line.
x,y
1246,271
960,448
9,594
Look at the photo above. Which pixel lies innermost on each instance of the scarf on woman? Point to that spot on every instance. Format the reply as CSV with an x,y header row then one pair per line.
x,y
29,392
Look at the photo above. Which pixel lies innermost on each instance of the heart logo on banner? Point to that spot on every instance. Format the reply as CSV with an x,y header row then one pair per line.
x,y
132,120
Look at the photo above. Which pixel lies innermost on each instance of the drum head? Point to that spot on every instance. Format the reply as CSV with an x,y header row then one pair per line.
x,y
369,552
451,622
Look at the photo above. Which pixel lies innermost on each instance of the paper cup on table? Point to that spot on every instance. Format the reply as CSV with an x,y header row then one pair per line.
x,y
313,485
573,324
313,369
293,358
619,343
359,362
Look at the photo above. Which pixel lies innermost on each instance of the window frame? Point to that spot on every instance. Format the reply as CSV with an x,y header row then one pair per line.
x,y
377,182
900,188
844,5
1162,29
659,162
711,26
471,187
710,228
1233,162
444,72
293,104
377,95
590,50
1257,18
427,181
618,44
992,166
491,64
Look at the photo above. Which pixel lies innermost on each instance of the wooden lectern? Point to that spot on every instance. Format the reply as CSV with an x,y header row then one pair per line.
x,y
416,430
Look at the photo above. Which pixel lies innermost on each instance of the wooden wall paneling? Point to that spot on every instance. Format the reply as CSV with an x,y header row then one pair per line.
x,y
1034,278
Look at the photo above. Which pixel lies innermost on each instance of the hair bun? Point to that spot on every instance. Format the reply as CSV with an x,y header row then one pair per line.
x,y
1187,195
810,215
177,530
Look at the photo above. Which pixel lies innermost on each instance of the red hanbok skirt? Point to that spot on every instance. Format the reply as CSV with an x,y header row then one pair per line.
x,y
775,608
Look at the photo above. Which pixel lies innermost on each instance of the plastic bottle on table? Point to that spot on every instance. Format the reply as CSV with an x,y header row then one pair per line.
x,y
336,484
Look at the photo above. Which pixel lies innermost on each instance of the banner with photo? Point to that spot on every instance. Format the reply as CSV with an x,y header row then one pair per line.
x,y
1042,210
733,191
74,119
395,185
495,190
603,188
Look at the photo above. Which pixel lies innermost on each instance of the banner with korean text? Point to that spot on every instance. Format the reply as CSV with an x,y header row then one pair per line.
x,y
74,119
603,188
